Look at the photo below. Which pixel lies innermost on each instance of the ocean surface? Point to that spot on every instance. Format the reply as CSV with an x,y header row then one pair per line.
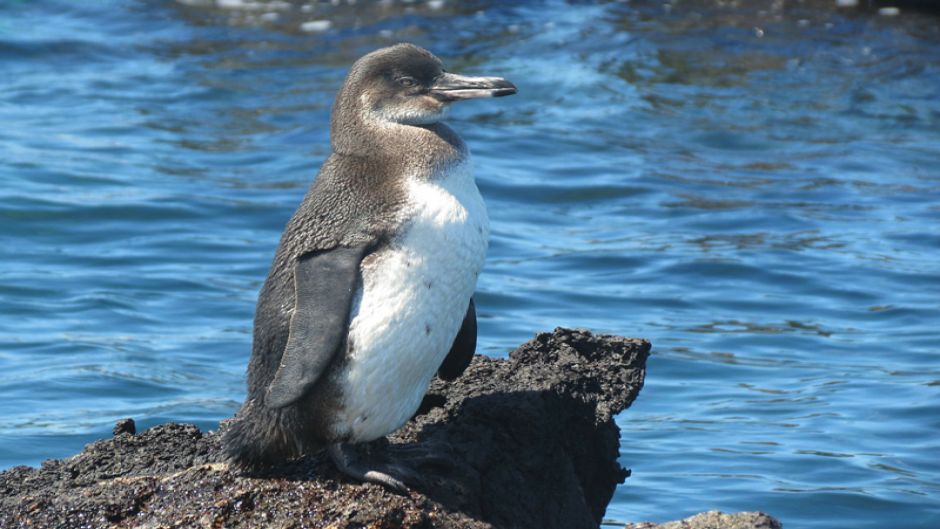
x,y
755,189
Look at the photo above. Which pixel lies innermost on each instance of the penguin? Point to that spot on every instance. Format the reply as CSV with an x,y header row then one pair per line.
x,y
370,292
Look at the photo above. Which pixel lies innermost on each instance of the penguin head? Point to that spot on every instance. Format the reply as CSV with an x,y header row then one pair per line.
x,y
407,85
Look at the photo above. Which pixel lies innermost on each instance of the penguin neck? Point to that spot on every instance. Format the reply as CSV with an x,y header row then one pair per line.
x,y
422,150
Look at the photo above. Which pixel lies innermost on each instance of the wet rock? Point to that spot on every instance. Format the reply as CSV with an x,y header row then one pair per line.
x,y
717,520
530,440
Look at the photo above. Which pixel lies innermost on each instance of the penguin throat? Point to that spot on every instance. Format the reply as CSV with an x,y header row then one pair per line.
x,y
369,134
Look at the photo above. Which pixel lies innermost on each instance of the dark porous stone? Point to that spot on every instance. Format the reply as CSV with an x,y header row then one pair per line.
x,y
716,520
124,426
530,441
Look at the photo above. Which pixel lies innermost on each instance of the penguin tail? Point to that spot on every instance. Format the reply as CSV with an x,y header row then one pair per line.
x,y
258,439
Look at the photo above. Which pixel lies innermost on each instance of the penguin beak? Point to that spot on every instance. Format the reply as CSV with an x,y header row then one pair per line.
x,y
452,87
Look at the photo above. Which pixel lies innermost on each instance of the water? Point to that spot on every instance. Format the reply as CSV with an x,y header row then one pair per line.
x,y
754,189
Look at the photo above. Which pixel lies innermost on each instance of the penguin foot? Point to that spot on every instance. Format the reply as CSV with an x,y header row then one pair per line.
x,y
422,456
346,461
391,465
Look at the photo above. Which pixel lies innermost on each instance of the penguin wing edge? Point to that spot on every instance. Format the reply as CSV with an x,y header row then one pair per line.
x,y
324,283
465,344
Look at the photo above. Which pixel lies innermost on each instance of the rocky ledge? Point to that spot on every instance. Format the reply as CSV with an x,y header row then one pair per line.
x,y
530,441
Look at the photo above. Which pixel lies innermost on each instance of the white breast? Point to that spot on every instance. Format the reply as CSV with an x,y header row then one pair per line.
x,y
413,300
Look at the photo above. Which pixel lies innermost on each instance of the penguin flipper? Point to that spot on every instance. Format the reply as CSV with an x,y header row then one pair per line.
x,y
324,283
461,352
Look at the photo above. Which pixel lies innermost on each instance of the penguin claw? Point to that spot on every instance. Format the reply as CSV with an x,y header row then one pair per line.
x,y
386,480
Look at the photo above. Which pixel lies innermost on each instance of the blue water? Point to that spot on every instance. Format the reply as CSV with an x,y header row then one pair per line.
x,y
755,189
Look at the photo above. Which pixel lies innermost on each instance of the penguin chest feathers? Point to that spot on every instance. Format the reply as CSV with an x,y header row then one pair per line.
x,y
411,304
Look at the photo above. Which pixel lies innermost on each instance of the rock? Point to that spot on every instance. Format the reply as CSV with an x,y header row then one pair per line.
x,y
531,439
125,426
717,520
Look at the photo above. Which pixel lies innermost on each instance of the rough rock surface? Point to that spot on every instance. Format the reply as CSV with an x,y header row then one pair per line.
x,y
717,520
531,440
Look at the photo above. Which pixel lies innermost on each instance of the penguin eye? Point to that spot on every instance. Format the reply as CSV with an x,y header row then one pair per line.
x,y
407,82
